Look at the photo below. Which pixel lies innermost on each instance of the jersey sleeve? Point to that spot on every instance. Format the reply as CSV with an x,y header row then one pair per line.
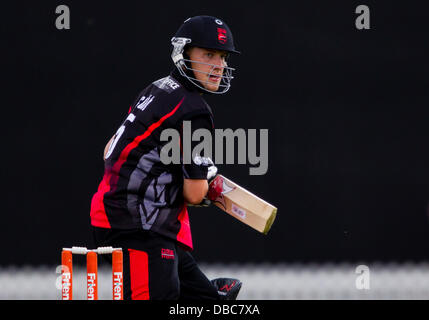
x,y
197,169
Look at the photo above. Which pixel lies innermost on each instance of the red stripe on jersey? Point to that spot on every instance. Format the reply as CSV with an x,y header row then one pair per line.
x,y
98,213
109,182
139,275
124,154
184,236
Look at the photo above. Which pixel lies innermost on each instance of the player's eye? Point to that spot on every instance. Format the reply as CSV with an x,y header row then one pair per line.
x,y
210,55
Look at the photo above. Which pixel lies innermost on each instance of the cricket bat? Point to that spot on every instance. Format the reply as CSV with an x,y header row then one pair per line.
x,y
241,204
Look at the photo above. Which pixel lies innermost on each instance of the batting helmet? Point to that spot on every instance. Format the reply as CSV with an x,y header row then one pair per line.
x,y
204,32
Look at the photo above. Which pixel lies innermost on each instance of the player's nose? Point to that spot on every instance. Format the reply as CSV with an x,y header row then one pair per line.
x,y
219,61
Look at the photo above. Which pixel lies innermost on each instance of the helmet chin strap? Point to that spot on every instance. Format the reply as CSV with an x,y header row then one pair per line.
x,y
181,64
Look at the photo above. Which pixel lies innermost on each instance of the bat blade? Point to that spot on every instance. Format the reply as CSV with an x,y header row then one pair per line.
x,y
242,204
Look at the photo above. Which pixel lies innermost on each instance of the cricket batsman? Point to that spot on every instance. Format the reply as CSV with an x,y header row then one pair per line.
x,y
141,203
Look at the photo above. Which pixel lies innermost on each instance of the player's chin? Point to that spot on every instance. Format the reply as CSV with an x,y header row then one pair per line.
x,y
212,85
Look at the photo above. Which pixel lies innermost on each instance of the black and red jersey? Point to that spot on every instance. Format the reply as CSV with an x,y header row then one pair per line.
x,y
138,191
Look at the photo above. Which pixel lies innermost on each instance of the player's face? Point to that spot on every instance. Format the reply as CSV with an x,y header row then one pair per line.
x,y
209,72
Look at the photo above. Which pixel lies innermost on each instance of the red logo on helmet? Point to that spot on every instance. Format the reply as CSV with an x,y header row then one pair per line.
x,y
221,35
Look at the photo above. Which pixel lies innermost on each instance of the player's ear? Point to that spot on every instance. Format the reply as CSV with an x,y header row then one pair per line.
x,y
187,52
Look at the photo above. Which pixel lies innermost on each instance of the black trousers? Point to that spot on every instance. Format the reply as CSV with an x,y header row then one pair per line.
x,y
155,267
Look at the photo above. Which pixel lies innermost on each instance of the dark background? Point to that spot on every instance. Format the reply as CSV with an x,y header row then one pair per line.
x,y
347,113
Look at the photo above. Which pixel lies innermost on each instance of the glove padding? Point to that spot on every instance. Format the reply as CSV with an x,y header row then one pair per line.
x,y
211,173
206,162
227,288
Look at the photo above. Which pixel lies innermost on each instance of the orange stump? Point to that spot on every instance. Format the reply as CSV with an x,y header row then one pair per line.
x,y
117,275
91,271
91,276
66,275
